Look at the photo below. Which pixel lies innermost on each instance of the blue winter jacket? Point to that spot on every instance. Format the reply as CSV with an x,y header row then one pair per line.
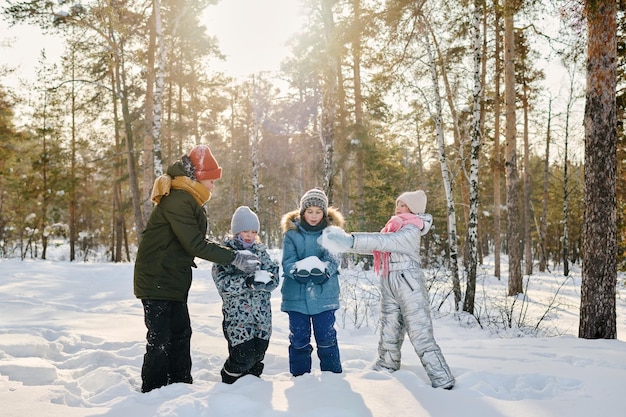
x,y
298,243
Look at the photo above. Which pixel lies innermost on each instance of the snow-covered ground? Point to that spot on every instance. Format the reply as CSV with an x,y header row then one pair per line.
x,y
72,340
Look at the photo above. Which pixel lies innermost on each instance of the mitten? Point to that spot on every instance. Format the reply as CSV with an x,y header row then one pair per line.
x,y
251,282
246,261
302,276
339,240
260,279
319,276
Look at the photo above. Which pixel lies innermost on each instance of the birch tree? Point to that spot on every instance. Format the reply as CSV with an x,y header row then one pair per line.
x,y
161,56
155,75
255,145
445,173
496,161
472,230
527,181
543,223
329,95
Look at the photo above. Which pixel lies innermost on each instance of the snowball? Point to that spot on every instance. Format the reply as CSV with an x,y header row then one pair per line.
x,y
328,244
307,264
262,276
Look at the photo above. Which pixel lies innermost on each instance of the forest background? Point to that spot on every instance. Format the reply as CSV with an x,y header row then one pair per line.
x,y
376,98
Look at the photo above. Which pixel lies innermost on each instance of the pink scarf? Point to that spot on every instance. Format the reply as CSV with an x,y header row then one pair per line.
x,y
394,224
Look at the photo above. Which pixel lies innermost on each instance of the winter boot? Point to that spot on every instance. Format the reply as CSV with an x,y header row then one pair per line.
x,y
229,377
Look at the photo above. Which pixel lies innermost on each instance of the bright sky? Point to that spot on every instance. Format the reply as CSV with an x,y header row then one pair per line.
x,y
21,47
252,34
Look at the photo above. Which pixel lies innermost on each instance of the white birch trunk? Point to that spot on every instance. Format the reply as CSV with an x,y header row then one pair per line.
x,y
543,227
472,232
158,90
496,158
445,173
255,146
329,97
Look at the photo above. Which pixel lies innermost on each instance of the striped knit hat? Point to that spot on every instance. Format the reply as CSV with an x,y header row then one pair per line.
x,y
314,197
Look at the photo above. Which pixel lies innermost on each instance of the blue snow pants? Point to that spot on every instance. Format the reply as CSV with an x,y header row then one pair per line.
x,y
300,348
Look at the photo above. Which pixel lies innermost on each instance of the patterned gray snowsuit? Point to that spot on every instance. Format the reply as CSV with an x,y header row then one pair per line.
x,y
247,312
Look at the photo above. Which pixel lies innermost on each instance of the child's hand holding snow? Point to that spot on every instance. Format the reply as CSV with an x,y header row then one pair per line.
x,y
335,240
259,280
310,269
309,263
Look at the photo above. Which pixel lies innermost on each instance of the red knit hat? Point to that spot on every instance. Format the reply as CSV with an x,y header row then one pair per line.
x,y
206,167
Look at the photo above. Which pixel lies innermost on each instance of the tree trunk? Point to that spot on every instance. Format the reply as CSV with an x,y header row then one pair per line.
x,y
512,177
528,253
148,143
599,273
565,221
73,169
44,182
157,154
458,141
358,109
472,243
255,144
445,173
329,96
122,93
565,249
118,206
543,227
496,157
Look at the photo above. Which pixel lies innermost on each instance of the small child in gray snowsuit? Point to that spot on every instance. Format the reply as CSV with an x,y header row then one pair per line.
x,y
246,307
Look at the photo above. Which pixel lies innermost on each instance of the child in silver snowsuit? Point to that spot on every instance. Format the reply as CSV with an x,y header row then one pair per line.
x,y
405,307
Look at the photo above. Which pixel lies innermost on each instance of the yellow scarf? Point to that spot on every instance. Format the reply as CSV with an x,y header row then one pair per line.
x,y
165,183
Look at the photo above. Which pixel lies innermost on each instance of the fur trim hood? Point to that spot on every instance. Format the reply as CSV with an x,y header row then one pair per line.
x,y
333,218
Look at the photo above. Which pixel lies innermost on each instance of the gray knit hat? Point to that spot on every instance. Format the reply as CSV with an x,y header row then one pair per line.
x,y
244,219
314,197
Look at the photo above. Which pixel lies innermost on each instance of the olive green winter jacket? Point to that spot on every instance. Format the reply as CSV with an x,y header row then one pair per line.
x,y
174,236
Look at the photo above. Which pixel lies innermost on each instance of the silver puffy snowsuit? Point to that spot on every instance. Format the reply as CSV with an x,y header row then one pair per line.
x,y
405,306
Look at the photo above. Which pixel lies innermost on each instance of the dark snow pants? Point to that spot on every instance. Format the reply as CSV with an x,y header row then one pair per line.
x,y
244,359
168,350
300,342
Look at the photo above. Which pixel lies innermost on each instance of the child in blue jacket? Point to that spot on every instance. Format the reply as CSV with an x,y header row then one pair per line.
x,y
246,306
310,289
